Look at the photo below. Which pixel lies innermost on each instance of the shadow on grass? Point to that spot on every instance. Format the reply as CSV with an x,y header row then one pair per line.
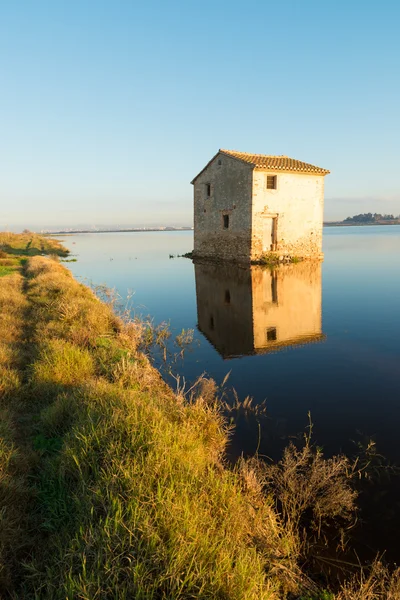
x,y
29,251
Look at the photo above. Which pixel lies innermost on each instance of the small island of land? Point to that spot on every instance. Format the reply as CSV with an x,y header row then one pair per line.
x,y
365,219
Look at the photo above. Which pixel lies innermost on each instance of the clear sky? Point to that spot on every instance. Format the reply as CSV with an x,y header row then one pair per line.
x,y
109,108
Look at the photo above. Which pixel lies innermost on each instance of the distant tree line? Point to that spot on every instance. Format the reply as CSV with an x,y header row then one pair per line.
x,y
370,218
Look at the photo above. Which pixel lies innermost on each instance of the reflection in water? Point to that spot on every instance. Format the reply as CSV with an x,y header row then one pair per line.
x,y
255,310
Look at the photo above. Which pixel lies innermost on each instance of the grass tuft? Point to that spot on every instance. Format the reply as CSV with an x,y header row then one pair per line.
x,y
6,270
62,363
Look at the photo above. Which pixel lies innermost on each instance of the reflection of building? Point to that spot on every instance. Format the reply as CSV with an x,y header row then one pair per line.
x,y
246,205
255,310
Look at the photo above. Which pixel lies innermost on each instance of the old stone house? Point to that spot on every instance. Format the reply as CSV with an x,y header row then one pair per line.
x,y
246,205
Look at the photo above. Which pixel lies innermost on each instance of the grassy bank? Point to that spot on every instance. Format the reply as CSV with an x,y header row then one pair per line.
x,y
134,492
114,486
16,248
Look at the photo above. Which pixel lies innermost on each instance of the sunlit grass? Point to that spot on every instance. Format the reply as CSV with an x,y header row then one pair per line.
x,y
30,244
62,363
13,487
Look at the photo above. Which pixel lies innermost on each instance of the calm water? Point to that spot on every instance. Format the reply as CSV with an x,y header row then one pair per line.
x,y
324,340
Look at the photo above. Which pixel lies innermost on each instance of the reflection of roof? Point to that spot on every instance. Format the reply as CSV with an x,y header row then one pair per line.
x,y
279,163
302,340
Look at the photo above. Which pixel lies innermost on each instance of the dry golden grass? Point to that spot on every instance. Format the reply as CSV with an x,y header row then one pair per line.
x,y
68,309
12,307
375,583
62,363
13,485
310,490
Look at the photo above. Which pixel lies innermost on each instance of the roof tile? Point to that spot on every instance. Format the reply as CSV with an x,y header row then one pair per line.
x,y
278,163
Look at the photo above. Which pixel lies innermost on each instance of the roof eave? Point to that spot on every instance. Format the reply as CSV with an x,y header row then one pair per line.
x,y
299,171
241,160
252,165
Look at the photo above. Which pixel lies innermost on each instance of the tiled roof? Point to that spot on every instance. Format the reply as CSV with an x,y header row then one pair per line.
x,y
275,163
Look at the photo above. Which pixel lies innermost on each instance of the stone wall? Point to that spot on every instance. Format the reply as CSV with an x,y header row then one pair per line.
x,y
230,190
297,204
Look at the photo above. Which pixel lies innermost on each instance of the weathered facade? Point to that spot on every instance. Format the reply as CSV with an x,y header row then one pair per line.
x,y
254,310
247,205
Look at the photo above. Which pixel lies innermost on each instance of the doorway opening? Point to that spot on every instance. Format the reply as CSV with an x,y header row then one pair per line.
x,y
270,234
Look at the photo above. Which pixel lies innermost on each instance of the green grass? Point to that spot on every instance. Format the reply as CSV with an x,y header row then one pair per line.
x,y
60,362
5,270
141,509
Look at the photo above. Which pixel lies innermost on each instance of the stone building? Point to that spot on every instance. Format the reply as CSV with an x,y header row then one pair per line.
x,y
254,310
247,205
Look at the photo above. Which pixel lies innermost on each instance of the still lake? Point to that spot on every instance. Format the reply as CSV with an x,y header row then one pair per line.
x,y
323,340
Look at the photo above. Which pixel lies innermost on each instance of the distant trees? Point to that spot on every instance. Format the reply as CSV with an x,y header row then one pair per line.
x,y
370,218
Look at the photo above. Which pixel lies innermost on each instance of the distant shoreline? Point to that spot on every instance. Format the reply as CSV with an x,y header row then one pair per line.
x,y
76,231
79,231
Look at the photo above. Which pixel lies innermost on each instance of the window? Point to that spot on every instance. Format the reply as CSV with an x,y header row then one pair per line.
x,y
271,334
208,190
227,297
226,221
271,182
219,162
211,322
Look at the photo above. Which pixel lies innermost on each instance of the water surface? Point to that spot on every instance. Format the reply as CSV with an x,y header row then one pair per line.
x,y
321,339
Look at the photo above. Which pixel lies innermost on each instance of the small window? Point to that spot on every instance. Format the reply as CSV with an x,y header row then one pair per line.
x,y
271,182
208,190
226,221
211,322
227,297
219,162
271,334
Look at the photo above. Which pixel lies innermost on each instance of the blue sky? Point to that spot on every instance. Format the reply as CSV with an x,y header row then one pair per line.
x,y
109,108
